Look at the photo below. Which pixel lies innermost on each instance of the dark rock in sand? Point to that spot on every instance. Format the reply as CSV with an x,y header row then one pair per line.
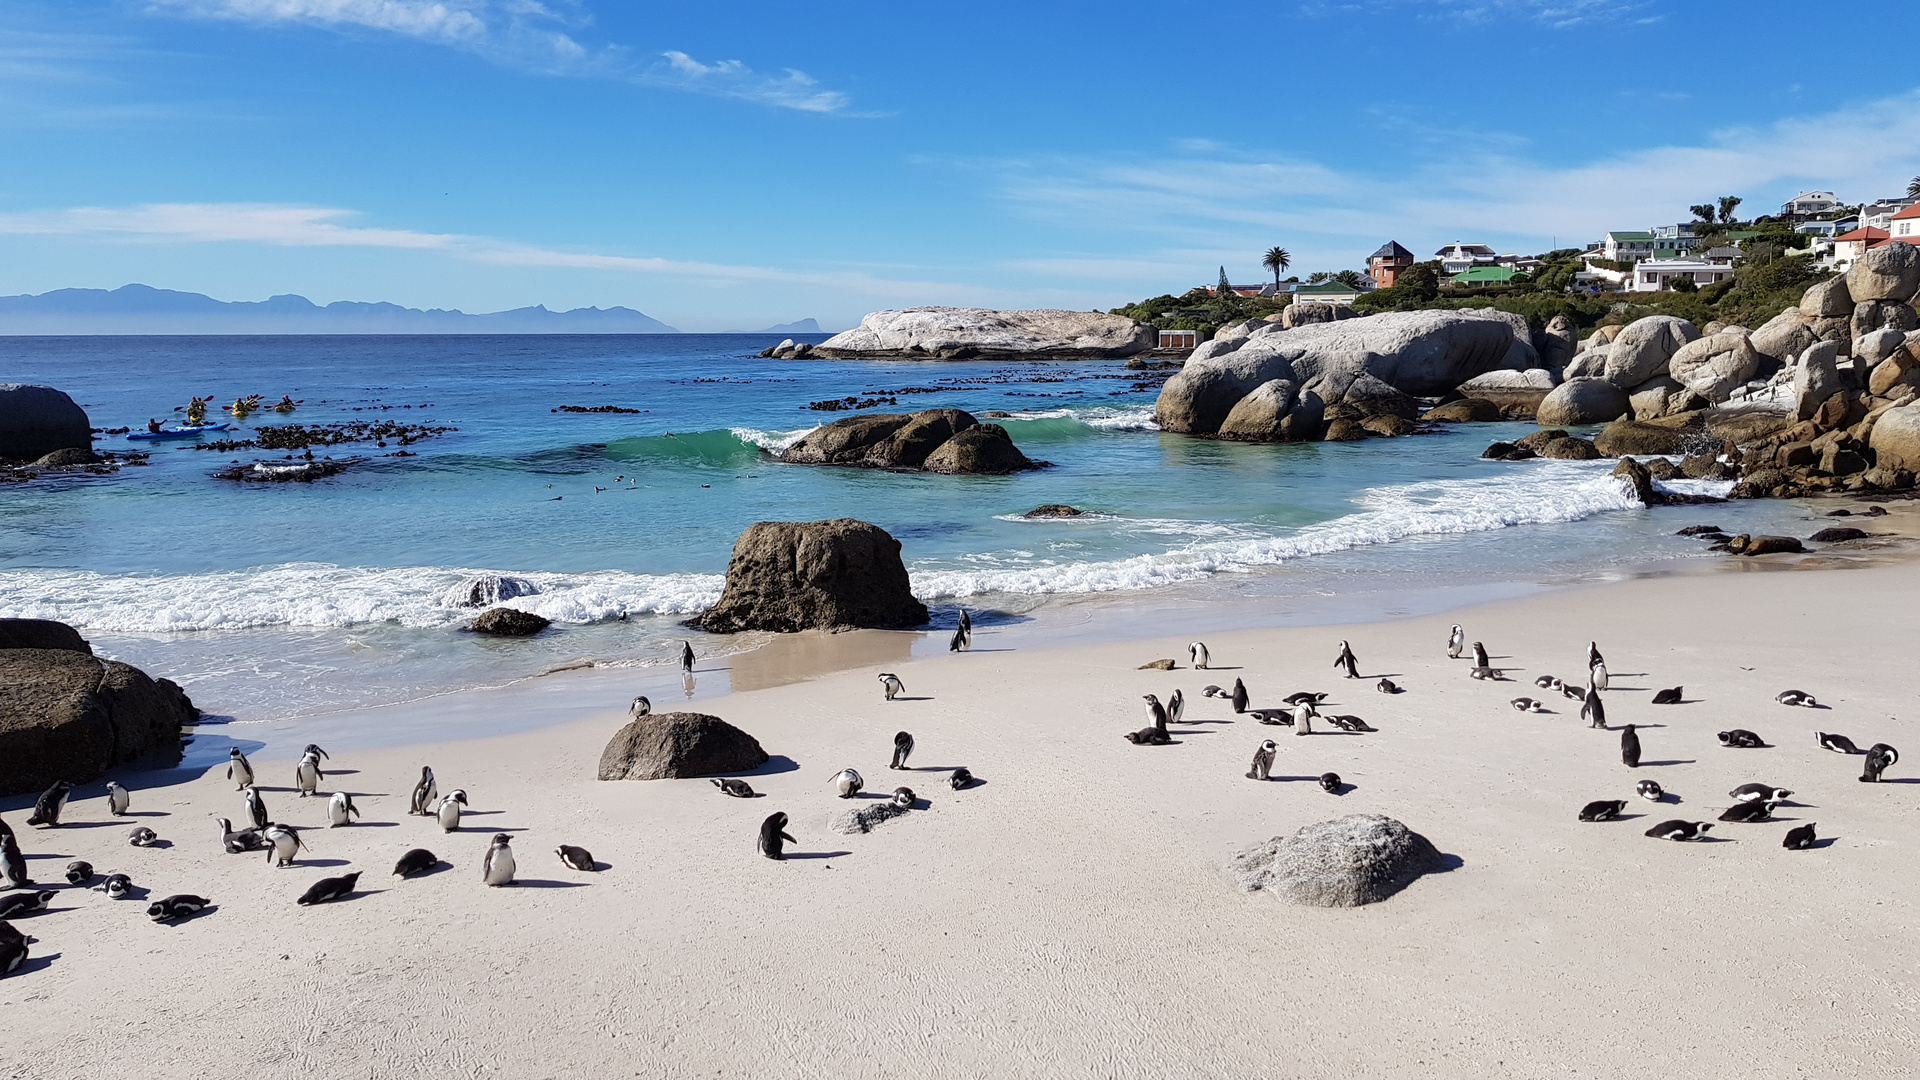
x,y
37,420
1354,860
65,715
41,634
1052,510
1837,535
862,818
509,622
664,746
1466,410
786,576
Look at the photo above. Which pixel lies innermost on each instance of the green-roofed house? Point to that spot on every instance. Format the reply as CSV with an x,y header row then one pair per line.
x,y
1629,246
1484,275
1326,292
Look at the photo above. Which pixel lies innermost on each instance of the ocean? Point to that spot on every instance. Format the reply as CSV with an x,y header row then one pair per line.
x,y
282,603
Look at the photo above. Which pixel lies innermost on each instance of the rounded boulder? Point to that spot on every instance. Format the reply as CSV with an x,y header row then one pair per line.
x,y
1582,401
665,746
1350,861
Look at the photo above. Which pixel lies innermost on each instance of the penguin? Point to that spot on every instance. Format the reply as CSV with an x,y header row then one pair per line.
x,y
5,829
1485,674
1176,705
1197,652
1348,722
239,770
417,861
962,634
686,657
1303,715
891,685
848,783
142,836
307,775
1155,735
257,808
640,707
1740,739
1799,838
13,865
1527,704
1211,690
1680,830
1330,783
1650,790
1760,810
958,643
116,886
1387,686
118,799
903,798
1760,793
1346,660
315,751
1299,696
1456,641
1273,716
1263,761
1796,697
1593,711
1880,757
1603,810
177,906
13,953
739,789
46,810
79,872
1839,744
1629,747
902,746
961,779
575,858
1239,697
774,838
237,842
283,843
1547,682
1597,678
1669,696
966,623
24,903
1480,658
497,867
10,936
425,793
448,812
1572,692
328,889
340,810
1594,659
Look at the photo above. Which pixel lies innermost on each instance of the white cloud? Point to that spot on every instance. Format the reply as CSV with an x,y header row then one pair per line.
x,y
731,78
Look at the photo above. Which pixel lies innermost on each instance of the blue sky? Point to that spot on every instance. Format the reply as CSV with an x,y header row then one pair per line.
x,y
735,166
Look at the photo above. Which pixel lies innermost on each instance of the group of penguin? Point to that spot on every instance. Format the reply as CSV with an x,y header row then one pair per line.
x,y
847,783
281,842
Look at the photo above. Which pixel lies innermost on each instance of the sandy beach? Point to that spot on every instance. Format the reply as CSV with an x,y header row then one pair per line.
x,y
1072,914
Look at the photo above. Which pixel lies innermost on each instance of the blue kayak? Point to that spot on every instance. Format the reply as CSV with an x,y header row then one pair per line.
x,y
183,431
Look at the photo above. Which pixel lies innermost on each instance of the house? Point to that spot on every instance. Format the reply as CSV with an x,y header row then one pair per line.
x,y
1326,292
1385,265
1879,215
1826,228
1628,246
1654,275
1519,264
1849,246
1721,255
1810,204
1483,275
1905,225
1458,258
1678,237
1180,339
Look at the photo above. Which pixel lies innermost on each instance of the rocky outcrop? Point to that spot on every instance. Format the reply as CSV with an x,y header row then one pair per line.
x,y
509,622
1558,344
1417,353
488,589
947,333
1350,861
37,420
667,746
1713,367
1310,314
1674,435
1583,401
1272,413
1888,272
1816,379
1826,299
1655,398
1517,393
1785,336
1896,438
828,575
937,440
1644,349
1464,411
1638,479
65,715
41,634
1052,510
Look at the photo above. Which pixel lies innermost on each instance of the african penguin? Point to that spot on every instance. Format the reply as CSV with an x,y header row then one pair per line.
x,y
257,808
315,751
1480,659
962,778
1299,696
1239,697
1456,641
1348,722
118,799
891,685
448,812
425,793
1546,682
1669,696
640,707
1211,690
1346,660
575,858
177,906
1330,783
1748,812
774,838
14,905
1387,686
1597,677
1740,739
1602,810
847,783
1799,838
497,867
1303,715
307,775
238,769
686,657
1680,830
1527,704
903,798
1880,757
1629,747
1263,760
46,810
1593,710
739,789
1650,790
13,953
1572,692
1156,734
1839,744
142,836
79,872
13,864
238,842
329,888
417,861
1760,792
340,809
283,843
116,886
1176,705
902,746
1796,697
1197,652
1594,659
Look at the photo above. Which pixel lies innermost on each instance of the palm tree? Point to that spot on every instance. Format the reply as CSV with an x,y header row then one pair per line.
x,y
1913,188
1277,259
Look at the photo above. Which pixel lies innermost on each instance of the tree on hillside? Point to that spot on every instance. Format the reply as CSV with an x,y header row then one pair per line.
x,y
1703,211
1913,188
1277,259
1317,277
1224,288
1727,205
1350,278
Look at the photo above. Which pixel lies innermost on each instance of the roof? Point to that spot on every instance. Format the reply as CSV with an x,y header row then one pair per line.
x,y
1908,214
1868,233
1391,250
1629,234
1465,249
1484,273
1327,288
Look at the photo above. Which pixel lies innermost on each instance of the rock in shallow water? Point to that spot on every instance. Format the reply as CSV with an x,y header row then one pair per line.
x,y
786,576
509,622
65,715
1350,861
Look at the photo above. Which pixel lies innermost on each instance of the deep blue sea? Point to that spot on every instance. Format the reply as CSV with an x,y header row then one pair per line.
x,y
272,601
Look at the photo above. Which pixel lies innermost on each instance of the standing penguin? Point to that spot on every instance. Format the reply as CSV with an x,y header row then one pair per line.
x,y
283,843
1263,760
448,812
497,868
1597,677
848,782
1176,705
686,657
774,838
238,769
1346,660
1155,735
902,746
1197,653
1880,757
1239,697
1480,656
307,774
962,634
1594,659
1592,711
13,865
1303,715
340,809
46,809
257,808
891,685
640,707
118,799
316,752
1629,747
425,793
1456,642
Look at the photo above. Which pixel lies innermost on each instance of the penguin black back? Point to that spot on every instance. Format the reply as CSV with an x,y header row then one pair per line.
x,y
1630,747
417,861
774,838
902,746
962,777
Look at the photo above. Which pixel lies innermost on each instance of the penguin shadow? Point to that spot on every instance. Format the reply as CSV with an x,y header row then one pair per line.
x,y
480,813
1675,761
342,772
816,854
1185,721
1823,842
47,855
356,894
920,697
145,813
182,920
36,963
322,862
161,844
1900,780
778,763
1220,667
548,883
372,825
108,824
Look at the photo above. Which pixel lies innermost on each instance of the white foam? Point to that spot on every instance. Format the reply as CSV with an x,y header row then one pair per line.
x,y
1101,417
771,441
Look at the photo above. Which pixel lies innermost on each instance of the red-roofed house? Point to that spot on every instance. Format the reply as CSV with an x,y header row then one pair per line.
x,y
1904,226
1849,246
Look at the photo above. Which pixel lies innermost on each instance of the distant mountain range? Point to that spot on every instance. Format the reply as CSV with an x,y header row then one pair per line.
x,y
804,326
140,309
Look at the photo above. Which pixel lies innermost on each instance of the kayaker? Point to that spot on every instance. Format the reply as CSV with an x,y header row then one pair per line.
x,y
285,404
196,411
153,426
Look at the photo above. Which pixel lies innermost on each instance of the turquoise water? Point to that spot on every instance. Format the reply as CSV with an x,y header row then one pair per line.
x,y
285,600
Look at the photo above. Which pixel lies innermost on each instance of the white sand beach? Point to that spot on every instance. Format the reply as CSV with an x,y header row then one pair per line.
x,y
1072,915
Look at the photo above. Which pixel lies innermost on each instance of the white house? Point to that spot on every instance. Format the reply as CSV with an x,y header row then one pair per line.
x,y
1810,203
1628,245
1878,215
1653,275
1458,258
1905,225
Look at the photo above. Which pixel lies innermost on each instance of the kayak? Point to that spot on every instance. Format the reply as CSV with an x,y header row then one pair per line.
x,y
184,431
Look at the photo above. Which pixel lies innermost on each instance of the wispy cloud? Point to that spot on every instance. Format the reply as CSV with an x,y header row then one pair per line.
x,y
526,34
1558,14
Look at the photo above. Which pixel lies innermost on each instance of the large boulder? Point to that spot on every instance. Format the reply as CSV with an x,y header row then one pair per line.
x,y
844,442
1309,314
1816,379
1415,352
667,746
909,446
1558,343
509,622
1589,363
1273,413
937,440
1785,336
1896,438
37,420
1826,299
1888,272
41,634
948,333
1644,348
1635,477
1713,367
1518,392
1350,861
1464,411
787,576
984,449
1877,345
65,715
1669,435
1871,315
1582,401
